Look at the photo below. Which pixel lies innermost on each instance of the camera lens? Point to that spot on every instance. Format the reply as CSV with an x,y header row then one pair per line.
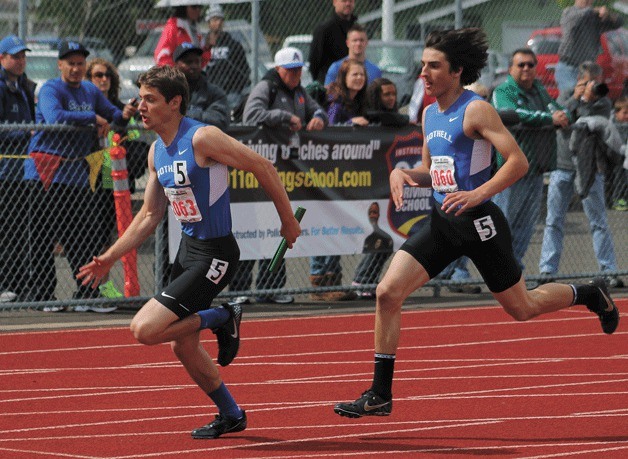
x,y
600,89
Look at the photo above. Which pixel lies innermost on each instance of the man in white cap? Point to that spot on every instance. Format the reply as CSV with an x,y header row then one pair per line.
x,y
278,101
228,67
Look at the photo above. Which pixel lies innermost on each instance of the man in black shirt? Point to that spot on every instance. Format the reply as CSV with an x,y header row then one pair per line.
x,y
329,39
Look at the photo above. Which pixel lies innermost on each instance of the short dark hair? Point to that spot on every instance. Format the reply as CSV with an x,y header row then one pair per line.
x,y
526,51
356,28
169,81
465,49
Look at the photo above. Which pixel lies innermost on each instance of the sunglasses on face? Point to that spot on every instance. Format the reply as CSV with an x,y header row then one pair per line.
x,y
102,75
529,65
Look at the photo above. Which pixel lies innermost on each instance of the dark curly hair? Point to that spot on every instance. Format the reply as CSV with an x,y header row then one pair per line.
x,y
374,94
464,48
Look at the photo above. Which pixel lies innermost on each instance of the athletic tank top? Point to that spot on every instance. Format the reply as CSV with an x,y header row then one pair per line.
x,y
458,162
199,196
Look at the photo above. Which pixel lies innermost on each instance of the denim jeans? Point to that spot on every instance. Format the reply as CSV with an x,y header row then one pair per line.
x,y
320,265
521,204
456,270
561,189
566,76
370,267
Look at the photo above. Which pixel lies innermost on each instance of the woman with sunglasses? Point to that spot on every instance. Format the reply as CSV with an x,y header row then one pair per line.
x,y
104,75
181,28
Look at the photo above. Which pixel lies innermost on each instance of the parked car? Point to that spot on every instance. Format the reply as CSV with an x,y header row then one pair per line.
x,y
613,58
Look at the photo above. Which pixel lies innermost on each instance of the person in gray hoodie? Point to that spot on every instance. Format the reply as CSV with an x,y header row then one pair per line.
x,y
278,101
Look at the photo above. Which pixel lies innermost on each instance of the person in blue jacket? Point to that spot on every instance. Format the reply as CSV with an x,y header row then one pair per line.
x,y
57,171
17,105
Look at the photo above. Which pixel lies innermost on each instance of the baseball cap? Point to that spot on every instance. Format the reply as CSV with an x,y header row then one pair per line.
x,y
186,48
289,58
215,11
69,47
12,44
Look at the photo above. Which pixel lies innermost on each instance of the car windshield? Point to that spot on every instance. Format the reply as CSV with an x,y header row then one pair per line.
x,y
41,67
392,59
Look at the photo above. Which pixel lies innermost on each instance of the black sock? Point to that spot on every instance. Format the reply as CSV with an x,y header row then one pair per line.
x,y
587,295
383,375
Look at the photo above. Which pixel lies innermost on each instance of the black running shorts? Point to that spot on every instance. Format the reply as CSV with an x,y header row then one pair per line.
x,y
482,234
199,273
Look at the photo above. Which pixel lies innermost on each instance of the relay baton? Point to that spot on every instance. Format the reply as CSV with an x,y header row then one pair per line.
x,y
283,245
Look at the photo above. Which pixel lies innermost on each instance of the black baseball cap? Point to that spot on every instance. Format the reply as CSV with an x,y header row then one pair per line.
x,y
69,47
184,48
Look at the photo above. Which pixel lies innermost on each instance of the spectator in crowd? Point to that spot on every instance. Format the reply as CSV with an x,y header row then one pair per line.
x,y
620,191
347,105
17,105
521,202
60,204
381,95
377,248
581,25
582,102
357,41
329,40
347,95
104,75
228,67
208,102
181,28
278,101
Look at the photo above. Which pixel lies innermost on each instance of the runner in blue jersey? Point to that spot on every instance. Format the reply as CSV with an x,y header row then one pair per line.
x,y
459,130
188,167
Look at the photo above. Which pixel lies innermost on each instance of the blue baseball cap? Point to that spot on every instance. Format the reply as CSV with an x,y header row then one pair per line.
x,y
12,44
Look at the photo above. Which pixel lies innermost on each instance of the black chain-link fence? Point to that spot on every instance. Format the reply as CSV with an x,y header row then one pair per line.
x,y
48,230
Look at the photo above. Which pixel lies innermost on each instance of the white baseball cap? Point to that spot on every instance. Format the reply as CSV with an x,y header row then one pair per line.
x,y
289,58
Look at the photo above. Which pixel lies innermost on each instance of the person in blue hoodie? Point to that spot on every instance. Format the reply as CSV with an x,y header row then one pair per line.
x,y
58,173
17,105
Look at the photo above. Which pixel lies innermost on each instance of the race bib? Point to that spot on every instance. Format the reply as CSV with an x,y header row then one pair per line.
x,y
442,172
183,204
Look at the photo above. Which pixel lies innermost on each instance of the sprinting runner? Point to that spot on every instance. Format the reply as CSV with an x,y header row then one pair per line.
x,y
188,167
459,130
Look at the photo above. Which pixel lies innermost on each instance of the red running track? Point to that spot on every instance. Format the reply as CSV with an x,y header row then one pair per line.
x,y
469,382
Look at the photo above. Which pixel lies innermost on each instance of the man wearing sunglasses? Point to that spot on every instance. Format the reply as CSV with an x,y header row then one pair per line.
x,y
539,117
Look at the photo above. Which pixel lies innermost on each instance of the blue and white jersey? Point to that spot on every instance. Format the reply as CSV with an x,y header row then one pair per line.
x,y
458,162
199,195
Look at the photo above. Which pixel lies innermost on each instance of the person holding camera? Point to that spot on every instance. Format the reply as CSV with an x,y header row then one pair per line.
x,y
587,103
539,115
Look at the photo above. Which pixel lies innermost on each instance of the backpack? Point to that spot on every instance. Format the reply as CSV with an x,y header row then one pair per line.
x,y
238,111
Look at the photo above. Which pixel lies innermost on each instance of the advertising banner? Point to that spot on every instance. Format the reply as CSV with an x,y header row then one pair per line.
x,y
336,175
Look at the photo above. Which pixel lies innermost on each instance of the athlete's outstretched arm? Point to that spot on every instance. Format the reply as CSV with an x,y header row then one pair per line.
x,y
214,145
142,226
481,120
